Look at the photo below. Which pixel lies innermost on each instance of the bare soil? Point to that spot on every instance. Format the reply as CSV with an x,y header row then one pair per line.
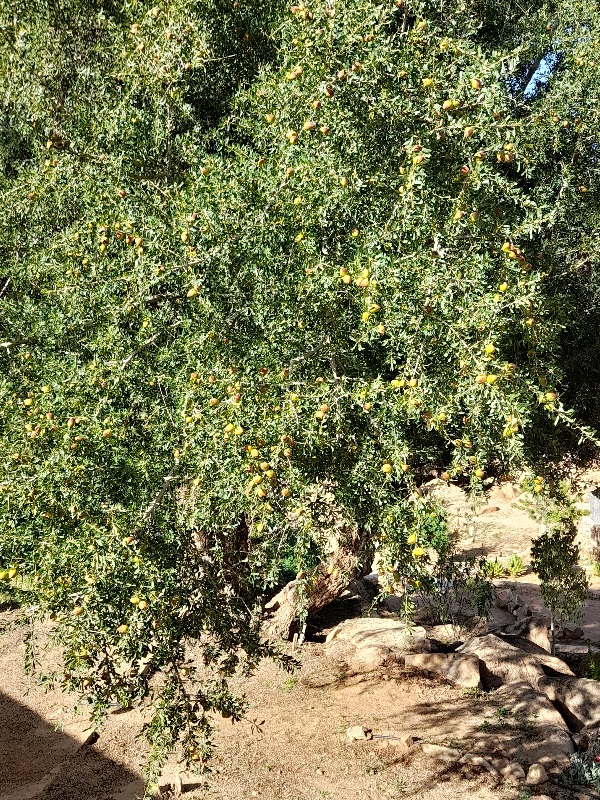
x,y
297,748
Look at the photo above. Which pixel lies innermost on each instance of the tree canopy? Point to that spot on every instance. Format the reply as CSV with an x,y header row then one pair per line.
x,y
258,261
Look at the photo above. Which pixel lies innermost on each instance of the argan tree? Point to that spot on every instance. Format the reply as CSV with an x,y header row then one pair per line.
x,y
264,271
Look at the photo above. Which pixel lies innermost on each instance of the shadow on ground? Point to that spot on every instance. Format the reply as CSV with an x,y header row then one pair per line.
x,y
40,762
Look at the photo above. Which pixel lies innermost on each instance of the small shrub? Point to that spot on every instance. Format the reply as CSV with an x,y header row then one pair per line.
x,y
596,569
455,591
515,566
584,768
593,666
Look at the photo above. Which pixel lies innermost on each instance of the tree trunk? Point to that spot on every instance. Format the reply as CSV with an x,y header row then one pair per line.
x,y
306,595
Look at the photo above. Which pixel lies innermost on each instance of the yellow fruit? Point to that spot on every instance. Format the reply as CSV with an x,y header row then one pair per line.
x,y
412,539
479,473
387,468
489,349
77,611
344,182
28,401
122,629
503,286
418,552
413,382
134,599
475,83
270,118
142,605
192,292
254,452
427,82
447,105
12,573
491,379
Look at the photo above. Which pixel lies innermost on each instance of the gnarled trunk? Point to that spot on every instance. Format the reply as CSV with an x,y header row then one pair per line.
x,y
308,594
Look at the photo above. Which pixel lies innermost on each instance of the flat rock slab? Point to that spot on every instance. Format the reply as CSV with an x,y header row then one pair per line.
x,y
388,633
440,752
502,663
577,698
524,703
462,670
552,664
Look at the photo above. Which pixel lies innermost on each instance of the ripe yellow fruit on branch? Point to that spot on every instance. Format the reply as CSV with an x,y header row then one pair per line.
x,y
412,539
418,552
387,468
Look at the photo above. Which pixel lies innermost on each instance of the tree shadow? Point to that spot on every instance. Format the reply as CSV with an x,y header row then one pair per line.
x,y
40,762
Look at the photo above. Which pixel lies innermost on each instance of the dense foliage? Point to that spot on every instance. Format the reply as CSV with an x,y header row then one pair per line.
x,y
253,256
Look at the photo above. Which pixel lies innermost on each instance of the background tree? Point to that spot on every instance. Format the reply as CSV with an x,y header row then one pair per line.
x,y
265,270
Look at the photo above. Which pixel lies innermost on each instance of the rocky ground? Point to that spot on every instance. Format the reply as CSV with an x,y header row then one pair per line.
x,y
375,711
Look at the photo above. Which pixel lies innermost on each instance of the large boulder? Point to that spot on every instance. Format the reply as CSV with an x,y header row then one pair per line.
x,y
578,700
364,645
551,665
460,669
387,634
524,703
500,662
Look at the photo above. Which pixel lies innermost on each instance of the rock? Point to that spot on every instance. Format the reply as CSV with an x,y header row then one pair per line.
x,y
399,742
387,633
477,761
578,700
498,619
394,604
513,774
572,631
503,597
501,662
553,748
440,752
358,734
500,763
521,613
462,670
536,774
533,628
446,634
490,510
363,645
522,701
550,664
515,603
357,590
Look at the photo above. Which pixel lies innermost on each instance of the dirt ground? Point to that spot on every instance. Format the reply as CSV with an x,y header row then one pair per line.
x,y
299,750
